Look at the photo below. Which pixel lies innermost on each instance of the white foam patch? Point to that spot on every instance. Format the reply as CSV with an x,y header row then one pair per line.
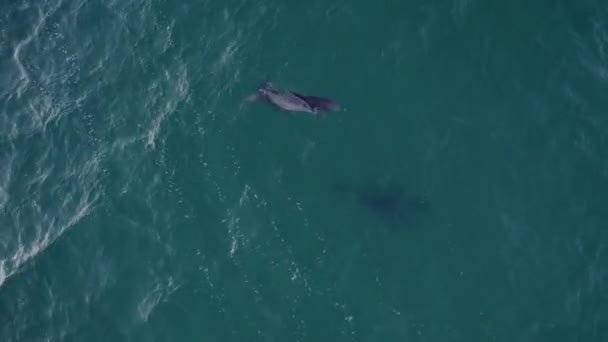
x,y
45,109
48,223
178,91
593,54
166,38
227,56
233,222
24,78
160,293
41,77
5,179
24,253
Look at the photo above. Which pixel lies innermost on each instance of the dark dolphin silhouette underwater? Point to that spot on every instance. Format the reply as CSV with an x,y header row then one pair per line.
x,y
294,102
391,204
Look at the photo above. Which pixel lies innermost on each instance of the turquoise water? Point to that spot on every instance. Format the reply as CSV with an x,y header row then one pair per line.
x,y
460,196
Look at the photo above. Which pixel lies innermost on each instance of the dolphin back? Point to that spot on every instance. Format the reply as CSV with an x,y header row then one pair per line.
x,y
292,101
320,104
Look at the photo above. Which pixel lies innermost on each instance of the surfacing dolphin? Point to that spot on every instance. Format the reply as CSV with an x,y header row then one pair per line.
x,y
294,102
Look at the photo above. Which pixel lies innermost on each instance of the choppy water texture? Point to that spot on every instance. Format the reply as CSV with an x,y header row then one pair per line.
x,y
460,196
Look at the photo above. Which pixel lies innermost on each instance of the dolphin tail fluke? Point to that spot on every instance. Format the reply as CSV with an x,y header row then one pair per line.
x,y
258,95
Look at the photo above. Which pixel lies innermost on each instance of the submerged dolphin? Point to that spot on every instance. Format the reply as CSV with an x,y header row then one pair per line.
x,y
391,204
294,102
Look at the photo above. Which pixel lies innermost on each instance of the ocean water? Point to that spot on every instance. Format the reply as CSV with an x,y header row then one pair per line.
x,y
459,196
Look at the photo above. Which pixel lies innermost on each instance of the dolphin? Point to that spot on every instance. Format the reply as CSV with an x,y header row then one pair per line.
x,y
391,204
293,102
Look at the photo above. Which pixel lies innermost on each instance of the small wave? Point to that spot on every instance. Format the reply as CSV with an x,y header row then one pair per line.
x,y
166,38
24,76
460,9
160,293
24,253
6,170
227,56
592,53
180,88
121,144
233,221
45,109
40,223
